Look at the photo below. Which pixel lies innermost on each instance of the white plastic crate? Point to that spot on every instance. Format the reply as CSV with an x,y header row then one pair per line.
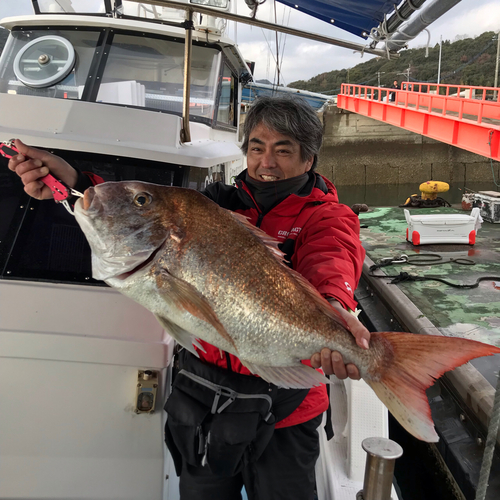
x,y
489,205
443,228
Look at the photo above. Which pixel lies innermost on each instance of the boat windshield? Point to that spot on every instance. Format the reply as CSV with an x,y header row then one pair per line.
x,y
106,8
136,70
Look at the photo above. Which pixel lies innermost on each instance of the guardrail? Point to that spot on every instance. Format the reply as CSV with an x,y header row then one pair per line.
x,y
461,101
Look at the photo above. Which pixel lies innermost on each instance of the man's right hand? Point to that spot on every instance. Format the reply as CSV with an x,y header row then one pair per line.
x,y
32,164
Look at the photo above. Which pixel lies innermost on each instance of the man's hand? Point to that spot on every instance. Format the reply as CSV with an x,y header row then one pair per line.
x,y
331,361
32,164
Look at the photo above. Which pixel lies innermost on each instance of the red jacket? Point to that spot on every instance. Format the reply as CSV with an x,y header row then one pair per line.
x,y
324,238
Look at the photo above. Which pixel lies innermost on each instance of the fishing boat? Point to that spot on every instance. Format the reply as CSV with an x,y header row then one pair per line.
x,y
130,90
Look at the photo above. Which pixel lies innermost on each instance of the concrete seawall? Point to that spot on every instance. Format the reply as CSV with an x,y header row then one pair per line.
x,y
360,151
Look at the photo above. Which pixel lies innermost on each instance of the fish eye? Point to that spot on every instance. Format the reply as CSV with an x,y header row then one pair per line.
x,y
142,199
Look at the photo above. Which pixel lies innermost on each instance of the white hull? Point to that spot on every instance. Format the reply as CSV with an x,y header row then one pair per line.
x,y
69,357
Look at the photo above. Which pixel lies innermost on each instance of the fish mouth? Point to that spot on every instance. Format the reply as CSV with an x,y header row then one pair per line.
x,y
88,197
89,202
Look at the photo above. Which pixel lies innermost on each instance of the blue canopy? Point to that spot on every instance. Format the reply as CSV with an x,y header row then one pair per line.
x,y
355,16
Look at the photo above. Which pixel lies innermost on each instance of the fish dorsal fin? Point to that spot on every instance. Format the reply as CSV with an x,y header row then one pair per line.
x,y
187,297
270,242
272,245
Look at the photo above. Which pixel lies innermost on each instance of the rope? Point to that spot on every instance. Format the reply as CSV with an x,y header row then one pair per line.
x,y
380,34
400,17
489,448
428,42
413,7
405,277
429,259
422,259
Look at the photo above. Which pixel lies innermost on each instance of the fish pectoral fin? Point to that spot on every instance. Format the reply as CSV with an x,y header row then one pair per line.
x,y
298,376
188,298
185,338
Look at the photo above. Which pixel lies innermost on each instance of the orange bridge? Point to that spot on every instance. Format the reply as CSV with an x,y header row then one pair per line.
x,y
463,116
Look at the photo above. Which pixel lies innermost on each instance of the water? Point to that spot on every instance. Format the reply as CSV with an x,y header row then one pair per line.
x,y
381,195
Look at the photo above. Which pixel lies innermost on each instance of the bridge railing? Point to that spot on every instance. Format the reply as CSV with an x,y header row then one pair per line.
x,y
466,102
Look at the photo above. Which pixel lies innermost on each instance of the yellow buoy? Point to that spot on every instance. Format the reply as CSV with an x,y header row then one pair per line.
x,y
430,189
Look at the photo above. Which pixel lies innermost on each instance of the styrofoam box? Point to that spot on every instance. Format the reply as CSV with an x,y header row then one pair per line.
x,y
489,204
442,228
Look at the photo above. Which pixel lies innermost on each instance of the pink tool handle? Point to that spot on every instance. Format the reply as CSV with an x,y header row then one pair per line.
x,y
59,190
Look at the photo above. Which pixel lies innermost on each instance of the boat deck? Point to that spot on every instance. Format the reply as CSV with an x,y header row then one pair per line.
x,y
466,312
462,400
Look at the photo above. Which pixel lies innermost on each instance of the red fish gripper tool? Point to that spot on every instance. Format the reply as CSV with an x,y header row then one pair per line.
x,y
60,190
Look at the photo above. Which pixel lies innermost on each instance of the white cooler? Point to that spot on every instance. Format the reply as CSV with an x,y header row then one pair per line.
x,y
443,228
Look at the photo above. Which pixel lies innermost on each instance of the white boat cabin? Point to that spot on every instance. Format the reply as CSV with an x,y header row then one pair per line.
x,y
84,371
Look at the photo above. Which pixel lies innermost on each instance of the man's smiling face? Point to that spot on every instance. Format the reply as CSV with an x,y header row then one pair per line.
x,y
273,156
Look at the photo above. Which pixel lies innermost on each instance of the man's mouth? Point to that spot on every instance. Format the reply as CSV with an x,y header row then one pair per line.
x,y
268,178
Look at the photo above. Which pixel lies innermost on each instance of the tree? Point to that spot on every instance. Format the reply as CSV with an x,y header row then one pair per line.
x,y
467,61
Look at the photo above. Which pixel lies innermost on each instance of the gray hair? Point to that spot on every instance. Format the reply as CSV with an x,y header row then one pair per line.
x,y
289,116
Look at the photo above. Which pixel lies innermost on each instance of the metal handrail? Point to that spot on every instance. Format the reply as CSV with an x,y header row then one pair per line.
x,y
443,99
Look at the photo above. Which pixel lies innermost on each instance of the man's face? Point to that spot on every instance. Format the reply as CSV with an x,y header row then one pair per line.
x,y
273,156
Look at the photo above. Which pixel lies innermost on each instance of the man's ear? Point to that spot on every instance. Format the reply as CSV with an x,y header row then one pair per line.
x,y
309,163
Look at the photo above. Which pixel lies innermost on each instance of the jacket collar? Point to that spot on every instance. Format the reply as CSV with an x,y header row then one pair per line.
x,y
317,189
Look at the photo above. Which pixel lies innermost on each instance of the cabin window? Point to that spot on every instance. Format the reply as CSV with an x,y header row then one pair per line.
x,y
149,72
47,63
226,112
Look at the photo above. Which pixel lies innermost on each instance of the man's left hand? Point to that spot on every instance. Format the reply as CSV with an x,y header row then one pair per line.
x,y
331,361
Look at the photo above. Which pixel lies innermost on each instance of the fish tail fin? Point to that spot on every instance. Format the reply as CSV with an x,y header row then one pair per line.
x,y
419,360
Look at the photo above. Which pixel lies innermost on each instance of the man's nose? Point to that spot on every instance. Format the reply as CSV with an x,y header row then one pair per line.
x,y
268,160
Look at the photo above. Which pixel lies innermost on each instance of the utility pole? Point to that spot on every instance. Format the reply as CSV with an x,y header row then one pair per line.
x,y
439,64
378,74
406,73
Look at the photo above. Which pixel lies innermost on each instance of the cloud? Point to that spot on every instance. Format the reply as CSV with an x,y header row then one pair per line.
x,y
465,19
304,59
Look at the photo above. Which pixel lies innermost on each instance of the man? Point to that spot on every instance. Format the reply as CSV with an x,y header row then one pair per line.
x,y
392,96
280,193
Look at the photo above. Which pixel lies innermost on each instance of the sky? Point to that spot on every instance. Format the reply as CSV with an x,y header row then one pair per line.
x,y
303,59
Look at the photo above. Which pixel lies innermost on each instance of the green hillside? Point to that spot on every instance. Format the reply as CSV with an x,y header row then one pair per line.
x,y
466,61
